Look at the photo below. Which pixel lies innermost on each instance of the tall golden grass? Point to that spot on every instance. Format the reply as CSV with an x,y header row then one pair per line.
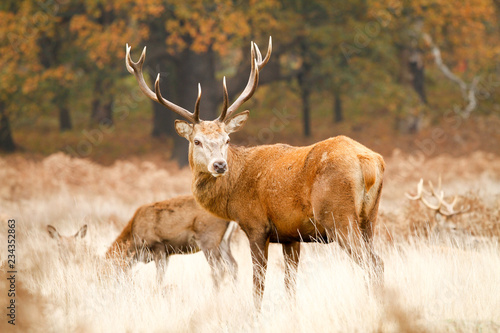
x,y
445,280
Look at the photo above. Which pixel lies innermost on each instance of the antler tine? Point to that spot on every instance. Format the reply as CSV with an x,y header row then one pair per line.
x,y
264,62
196,114
419,191
428,204
257,53
171,106
439,195
450,206
136,69
127,59
450,210
434,192
464,209
226,100
257,64
246,94
454,201
420,196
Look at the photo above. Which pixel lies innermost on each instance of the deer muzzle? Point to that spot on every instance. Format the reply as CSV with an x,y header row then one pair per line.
x,y
219,168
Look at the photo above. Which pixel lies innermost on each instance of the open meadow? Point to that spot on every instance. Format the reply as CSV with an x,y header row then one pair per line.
x,y
287,108
441,275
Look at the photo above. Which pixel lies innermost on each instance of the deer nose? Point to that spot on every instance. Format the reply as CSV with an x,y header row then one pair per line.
x,y
220,166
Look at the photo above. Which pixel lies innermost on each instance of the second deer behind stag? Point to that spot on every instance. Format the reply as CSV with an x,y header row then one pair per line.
x,y
176,226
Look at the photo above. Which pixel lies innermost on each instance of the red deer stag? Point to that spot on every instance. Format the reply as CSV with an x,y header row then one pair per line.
x,y
175,226
279,193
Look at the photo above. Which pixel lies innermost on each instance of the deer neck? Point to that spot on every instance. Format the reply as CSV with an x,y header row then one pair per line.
x,y
213,193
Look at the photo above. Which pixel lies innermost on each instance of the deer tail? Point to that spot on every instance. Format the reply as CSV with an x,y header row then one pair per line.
x,y
371,167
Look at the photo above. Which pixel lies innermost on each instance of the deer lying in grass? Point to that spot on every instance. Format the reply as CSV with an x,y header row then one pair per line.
x,y
67,245
278,193
176,226
438,205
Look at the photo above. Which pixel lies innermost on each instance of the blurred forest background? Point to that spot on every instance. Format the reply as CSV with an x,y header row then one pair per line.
x,y
422,76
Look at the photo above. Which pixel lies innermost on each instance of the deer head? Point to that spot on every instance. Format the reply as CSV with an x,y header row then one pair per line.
x,y
208,140
68,245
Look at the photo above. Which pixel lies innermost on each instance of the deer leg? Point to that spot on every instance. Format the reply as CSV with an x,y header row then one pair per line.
x,y
378,267
225,251
352,240
220,260
259,248
161,261
368,223
216,266
350,230
229,261
210,248
291,252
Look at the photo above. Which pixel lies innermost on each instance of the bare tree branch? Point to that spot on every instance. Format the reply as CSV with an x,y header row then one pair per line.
x,y
468,91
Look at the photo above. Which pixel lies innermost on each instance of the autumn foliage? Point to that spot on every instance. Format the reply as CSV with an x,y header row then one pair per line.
x,y
62,61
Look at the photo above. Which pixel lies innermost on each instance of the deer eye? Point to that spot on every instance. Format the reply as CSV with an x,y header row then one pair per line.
x,y
197,142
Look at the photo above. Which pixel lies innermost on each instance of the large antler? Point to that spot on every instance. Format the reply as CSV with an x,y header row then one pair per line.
x,y
136,69
257,64
442,207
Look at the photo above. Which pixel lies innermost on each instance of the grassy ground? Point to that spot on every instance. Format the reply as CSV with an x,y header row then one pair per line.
x,y
444,280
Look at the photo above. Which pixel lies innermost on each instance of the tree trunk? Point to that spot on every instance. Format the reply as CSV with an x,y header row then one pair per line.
x,y
163,121
497,10
65,123
338,115
102,105
6,140
304,81
102,112
305,95
417,70
196,68
163,126
306,112
163,118
180,86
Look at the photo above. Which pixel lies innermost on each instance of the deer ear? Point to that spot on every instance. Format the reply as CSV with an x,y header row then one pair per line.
x,y
82,232
52,232
183,128
234,124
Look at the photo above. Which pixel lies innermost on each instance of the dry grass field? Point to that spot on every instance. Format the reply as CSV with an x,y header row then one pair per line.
x,y
440,275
